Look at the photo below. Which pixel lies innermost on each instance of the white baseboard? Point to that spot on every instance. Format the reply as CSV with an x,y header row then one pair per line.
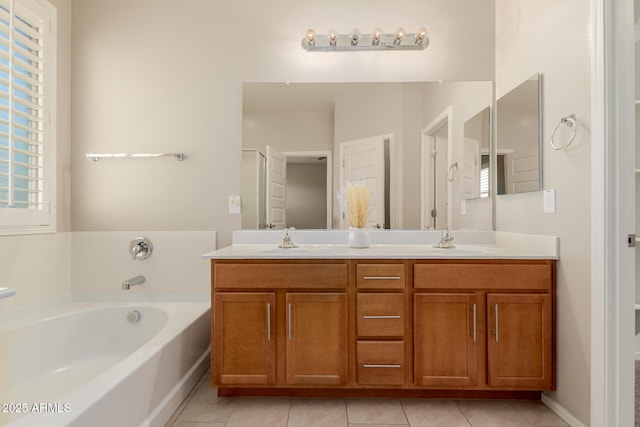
x,y
561,411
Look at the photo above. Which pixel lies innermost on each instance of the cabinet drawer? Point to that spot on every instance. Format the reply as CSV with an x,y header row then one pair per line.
x,y
380,315
280,275
380,362
483,276
380,276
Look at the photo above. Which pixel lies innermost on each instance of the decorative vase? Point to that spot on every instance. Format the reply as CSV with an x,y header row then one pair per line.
x,y
359,238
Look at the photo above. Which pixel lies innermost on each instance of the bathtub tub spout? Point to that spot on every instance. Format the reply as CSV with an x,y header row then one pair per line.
x,y
127,284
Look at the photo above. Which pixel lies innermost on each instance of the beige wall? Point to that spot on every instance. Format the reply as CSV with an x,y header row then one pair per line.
x,y
553,38
152,76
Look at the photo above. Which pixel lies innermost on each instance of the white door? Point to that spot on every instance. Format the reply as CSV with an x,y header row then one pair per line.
x,y
471,169
276,188
362,162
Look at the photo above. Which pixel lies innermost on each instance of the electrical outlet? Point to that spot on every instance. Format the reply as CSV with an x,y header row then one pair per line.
x,y
234,204
549,201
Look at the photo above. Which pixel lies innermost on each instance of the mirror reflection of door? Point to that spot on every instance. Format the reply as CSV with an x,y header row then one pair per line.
x,y
362,162
439,177
437,171
254,189
276,188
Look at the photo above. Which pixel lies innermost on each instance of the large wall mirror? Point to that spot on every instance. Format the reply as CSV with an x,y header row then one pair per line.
x,y
304,142
519,138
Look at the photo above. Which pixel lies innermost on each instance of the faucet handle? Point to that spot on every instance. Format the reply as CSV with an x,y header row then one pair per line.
x,y
140,248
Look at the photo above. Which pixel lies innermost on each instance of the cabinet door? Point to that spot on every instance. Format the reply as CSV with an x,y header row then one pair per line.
x,y
519,340
445,339
244,338
316,338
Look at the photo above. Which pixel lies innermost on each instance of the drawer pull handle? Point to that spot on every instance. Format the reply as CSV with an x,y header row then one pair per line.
x,y
380,317
382,366
382,277
268,322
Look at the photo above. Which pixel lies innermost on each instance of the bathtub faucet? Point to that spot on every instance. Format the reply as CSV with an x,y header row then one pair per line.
x,y
127,284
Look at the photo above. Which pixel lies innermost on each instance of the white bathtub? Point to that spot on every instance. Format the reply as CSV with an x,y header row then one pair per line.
x,y
85,364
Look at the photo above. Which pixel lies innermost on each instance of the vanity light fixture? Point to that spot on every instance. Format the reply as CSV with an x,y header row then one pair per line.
x,y
378,40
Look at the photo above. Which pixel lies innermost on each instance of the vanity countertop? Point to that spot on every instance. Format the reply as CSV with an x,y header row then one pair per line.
x,y
375,252
492,245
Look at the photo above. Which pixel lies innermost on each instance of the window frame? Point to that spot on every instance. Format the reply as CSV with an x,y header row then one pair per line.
x,y
31,221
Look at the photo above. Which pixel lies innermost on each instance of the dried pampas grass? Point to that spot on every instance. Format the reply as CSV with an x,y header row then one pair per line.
x,y
358,204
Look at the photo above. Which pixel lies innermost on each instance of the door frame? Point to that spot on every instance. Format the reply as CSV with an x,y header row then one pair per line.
x,y
321,153
427,135
612,213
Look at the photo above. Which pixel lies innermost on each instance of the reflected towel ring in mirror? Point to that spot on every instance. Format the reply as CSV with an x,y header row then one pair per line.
x,y
570,121
451,173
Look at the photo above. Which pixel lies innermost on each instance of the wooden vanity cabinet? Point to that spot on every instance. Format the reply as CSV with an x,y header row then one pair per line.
x,y
423,327
243,326
288,317
485,324
446,348
316,338
519,343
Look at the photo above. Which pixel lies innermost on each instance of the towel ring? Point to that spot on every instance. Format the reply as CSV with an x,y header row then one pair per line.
x,y
570,121
452,172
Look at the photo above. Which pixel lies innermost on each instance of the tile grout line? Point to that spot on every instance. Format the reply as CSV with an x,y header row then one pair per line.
x,y
462,412
521,414
187,400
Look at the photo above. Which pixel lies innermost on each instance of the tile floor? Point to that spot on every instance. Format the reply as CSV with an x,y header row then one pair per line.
x,y
203,408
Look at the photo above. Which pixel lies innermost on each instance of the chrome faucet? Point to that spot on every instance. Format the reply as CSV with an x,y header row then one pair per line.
x,y
445,241
127,284
287,239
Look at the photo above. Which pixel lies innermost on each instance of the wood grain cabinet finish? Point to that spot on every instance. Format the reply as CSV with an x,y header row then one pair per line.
x,y
243,333
357,326
316,338
380,363
380,314
520,340
446,339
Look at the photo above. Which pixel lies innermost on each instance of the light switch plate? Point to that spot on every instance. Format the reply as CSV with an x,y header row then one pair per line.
x,y
463,207
234,204
549,201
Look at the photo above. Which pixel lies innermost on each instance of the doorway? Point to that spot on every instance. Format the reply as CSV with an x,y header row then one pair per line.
x,y
437,173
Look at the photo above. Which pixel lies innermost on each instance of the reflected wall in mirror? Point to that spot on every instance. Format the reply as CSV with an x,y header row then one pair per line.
x,y
477,156
519,138
323,122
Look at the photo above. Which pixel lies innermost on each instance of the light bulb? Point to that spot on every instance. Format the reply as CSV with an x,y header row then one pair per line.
x,y
333,37
311,37
377,35
421,35
355,37
399,36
